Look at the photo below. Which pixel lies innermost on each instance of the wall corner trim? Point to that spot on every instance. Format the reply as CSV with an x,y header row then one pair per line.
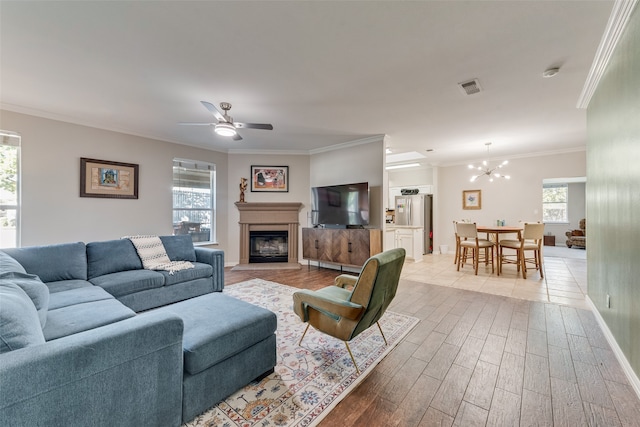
x,y
620,14
626,367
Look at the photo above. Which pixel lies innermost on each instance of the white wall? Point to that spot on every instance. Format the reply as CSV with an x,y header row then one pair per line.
x,y
517,199
299,191
54,212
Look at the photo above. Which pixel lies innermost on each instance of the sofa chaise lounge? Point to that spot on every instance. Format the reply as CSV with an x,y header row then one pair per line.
x,y
89,337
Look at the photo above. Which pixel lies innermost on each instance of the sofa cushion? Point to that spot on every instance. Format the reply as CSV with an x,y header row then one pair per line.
x,y
66,261
111,256
78,296
77,318
37,291
217,326
9,264
199,271
129,282
65,285
19,323
179,248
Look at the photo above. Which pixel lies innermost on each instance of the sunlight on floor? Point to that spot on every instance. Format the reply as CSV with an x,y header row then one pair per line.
x,y
565,279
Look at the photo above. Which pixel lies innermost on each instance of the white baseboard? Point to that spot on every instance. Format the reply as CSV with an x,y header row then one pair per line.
x,y
626,367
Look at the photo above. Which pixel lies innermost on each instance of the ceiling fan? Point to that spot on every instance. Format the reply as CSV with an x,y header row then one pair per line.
x,y
225,126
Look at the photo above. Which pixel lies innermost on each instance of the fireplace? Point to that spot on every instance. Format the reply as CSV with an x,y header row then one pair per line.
x,y
268,246
270,223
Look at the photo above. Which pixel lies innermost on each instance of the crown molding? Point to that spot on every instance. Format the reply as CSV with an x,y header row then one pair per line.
x,y
72,120
355,142
268,152
618,20
522,156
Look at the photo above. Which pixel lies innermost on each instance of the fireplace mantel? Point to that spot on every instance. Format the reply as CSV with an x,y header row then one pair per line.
x,y
269,216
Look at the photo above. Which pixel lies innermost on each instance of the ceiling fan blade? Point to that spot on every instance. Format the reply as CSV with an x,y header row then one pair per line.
x,y
263,126
236,137
213,110
196,124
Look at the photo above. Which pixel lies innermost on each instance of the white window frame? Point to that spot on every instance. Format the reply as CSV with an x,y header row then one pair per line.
x,y
12,139
199,166
565,203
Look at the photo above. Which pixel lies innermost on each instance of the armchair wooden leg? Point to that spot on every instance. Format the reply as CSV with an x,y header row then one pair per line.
x,y
382,333
352,358
303,334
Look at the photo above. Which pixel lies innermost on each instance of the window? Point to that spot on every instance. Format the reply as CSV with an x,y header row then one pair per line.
x,y
194,199
9,189
554,203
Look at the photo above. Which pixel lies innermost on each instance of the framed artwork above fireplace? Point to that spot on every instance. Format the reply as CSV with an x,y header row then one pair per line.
x,y
269,178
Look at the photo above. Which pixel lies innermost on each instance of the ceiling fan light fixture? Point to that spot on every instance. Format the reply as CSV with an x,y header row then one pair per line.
x,y
225,129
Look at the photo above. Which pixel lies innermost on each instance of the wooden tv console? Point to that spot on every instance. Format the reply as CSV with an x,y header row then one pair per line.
x,y
346,247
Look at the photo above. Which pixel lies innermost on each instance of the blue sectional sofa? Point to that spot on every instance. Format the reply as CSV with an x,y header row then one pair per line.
x,y
89,337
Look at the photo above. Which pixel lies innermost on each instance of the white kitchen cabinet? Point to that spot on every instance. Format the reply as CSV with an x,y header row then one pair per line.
x,y
409,238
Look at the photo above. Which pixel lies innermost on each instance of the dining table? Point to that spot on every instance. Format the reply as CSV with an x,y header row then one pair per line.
x,y
494,232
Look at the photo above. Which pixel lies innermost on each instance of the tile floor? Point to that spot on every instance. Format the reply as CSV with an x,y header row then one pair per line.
x,y
564,282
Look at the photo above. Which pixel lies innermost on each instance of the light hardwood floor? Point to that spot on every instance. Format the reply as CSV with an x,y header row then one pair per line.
x,y
488,351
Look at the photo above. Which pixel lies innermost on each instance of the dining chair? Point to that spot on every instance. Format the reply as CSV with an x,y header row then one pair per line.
x,y
530,240
470,246
455,233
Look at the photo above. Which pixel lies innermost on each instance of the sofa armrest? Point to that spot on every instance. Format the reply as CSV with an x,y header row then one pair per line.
x,y
215,258
126,373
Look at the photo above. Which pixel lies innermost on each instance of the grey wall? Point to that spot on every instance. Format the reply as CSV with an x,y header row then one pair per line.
x,y
358,163
54,212
613,193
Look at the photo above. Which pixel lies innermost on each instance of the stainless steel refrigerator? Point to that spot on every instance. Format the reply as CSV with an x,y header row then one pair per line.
x,y
417,211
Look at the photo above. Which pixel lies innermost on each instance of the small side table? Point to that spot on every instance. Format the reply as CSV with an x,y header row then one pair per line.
x,y
549,240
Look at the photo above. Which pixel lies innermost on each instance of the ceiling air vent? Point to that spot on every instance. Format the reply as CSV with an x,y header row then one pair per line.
x,y
470,87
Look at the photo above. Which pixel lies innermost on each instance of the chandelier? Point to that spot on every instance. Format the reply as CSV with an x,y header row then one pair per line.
x,y
491,172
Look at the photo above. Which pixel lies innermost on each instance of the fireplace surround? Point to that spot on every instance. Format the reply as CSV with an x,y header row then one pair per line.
x,y
276,216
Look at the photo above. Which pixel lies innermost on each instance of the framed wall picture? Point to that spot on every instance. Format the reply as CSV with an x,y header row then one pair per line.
x,y
106,179
471,199
269,178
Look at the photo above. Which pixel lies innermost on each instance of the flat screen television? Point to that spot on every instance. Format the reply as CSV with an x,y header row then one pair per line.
x,y
342,205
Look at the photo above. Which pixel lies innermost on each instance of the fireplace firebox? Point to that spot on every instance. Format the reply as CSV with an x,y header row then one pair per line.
x,y
268,246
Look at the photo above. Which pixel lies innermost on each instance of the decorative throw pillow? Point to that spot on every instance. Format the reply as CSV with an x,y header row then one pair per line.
x,y
19,324
179,248
34,288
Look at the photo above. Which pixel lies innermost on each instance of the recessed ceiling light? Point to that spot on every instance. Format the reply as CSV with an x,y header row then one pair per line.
x,y
406,165
405,157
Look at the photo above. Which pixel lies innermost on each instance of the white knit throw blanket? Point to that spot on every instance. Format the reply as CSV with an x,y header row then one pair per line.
x,y
153,255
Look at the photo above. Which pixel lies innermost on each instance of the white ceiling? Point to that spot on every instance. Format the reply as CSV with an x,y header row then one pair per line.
x,y
322,72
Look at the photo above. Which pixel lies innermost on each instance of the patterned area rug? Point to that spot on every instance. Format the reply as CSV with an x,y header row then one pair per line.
x,y
309,380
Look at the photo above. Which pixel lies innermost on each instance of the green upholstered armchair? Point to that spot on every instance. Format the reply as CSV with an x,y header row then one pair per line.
x,y
355,302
